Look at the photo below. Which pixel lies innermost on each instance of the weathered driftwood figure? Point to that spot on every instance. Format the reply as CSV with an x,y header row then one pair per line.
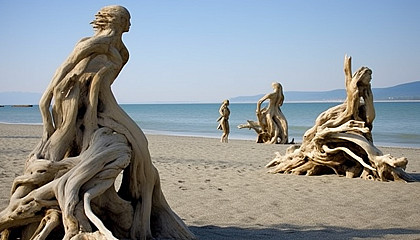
x,y
272,124
341,142
224,120
67,190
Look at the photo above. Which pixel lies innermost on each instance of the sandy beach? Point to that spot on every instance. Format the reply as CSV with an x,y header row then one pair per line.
x,y
222,191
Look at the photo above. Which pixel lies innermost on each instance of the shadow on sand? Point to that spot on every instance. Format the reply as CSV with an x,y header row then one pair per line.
x,y
285,231
416,176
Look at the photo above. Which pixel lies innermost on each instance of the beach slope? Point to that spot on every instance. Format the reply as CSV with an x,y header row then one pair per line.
x,y
222,191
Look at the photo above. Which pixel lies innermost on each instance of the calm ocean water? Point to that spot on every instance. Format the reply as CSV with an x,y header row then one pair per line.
x,y
396,123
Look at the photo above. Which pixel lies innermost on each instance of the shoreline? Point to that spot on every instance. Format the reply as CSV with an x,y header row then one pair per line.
x,y
159,133
389,129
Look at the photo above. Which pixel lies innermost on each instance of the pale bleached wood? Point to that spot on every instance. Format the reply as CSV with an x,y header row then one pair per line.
x,y
224,121
67,188
341,141
271,126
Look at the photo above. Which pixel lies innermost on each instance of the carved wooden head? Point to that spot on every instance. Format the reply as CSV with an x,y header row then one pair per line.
x,y
276,86
113,17
363,76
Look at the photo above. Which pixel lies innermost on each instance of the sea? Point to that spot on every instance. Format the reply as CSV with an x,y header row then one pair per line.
x,y
397,124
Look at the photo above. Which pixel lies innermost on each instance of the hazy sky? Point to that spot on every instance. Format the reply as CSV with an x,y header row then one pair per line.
x,y
210,50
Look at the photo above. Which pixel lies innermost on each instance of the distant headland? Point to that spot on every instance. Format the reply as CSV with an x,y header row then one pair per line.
x,y
402,92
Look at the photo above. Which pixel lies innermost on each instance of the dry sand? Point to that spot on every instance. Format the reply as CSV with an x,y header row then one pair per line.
x,y
222,191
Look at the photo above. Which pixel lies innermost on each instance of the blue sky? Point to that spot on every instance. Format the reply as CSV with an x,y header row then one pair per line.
x,y
210,50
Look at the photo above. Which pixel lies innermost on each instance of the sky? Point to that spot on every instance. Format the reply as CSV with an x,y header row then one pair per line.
x,y
211,50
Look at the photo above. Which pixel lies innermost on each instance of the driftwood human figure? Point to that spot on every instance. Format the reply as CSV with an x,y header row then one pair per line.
x,y
341,142
224,120
67,189
271,126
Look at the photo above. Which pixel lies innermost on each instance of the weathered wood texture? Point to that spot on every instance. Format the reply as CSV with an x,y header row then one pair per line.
x,y
341,142
67,190
224,121
271,126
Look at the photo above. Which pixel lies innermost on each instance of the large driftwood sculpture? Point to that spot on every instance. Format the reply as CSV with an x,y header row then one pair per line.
x,y
272,124
67,190
224,120
341,141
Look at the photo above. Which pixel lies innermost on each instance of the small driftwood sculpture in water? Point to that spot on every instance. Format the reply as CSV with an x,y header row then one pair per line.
x,y
67,189
224,120
272,124
341,141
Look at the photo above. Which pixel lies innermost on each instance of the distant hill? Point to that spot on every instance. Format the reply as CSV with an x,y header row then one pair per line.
x,y
19,98
406,91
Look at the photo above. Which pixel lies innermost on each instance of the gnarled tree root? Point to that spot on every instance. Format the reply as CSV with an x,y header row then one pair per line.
x,y
94,173
344,151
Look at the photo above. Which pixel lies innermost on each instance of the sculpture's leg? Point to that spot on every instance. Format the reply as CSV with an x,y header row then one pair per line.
x,y
119,212
143,212
87,197
100,184
284,129
272,129
275,134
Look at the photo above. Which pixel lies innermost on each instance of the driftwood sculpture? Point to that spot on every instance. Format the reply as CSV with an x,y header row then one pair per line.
x,y
67,189
224,120
341,142
272,124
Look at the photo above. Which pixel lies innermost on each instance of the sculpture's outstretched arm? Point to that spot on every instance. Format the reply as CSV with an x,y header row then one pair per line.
x,y
267,96
84,49
353,97
352,100
44,105
347,70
